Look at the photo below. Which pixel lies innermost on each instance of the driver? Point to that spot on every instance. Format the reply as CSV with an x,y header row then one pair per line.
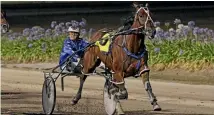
x,y
71,44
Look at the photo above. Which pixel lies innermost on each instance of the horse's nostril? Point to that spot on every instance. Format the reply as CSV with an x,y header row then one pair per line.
x,y
4,28
154,32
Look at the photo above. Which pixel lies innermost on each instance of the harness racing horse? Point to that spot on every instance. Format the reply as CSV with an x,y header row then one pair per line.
x,y
4,23
127,57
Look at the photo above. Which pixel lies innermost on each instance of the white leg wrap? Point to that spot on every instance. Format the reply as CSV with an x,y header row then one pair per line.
x,y
117,83
144,70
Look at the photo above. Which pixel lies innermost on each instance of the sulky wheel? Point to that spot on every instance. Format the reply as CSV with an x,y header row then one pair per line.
x,y
48,95
109,100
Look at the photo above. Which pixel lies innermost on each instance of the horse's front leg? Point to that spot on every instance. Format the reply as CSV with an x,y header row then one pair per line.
x,y
148,88
119,86
78,95
119,90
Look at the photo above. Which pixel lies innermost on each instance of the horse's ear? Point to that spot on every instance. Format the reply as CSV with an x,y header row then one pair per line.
x,y
3,13
147,5
136,5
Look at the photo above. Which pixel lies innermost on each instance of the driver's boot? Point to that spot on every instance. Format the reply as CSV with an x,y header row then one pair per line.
x,y
78,69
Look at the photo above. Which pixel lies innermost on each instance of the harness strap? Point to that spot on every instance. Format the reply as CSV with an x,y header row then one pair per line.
x,y
133,55
138,64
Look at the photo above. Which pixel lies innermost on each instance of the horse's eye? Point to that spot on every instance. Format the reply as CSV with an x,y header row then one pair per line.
x,y
142,16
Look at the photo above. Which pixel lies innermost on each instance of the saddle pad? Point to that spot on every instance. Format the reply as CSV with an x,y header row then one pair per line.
x,y
105,47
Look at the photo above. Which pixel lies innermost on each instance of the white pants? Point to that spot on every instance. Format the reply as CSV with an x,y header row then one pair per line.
x,y
102,65
73,65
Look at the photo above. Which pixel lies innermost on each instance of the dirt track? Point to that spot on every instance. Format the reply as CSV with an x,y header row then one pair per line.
x,y
21,94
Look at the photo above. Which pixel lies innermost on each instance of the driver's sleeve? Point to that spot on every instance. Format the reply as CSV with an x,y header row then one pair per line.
x,y
66,51
84,44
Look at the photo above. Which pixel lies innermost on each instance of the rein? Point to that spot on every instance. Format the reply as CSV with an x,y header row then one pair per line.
x,y
129,32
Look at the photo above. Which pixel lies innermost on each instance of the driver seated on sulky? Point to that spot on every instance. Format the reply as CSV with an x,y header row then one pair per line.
x,y
72,44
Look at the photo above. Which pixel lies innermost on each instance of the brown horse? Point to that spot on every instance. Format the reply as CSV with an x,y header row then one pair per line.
x,y
128,56
4,23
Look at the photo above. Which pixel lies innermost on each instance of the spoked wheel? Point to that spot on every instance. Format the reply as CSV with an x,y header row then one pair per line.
x,y
109,100
48,95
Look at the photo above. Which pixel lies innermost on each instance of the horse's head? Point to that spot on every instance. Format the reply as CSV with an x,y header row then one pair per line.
x,y
143,19
4,23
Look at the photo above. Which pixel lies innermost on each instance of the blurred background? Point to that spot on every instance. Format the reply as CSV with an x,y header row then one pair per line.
x,y
109,14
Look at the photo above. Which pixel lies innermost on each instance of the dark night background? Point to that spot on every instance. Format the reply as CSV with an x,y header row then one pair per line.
x,y
58,4
103,14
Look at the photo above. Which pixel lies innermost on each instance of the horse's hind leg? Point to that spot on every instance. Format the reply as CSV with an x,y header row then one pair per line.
x,y
91,63
148,88
78,95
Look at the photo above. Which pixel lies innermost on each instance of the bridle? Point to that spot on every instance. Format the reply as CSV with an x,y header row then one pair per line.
x,y
143,28
4,26
148,18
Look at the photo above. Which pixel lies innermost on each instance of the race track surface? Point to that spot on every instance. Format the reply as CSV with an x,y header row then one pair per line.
x,y
21,94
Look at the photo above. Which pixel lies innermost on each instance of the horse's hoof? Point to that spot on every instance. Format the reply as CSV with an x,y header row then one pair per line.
x,y
119,109
156,107
74,102
120,112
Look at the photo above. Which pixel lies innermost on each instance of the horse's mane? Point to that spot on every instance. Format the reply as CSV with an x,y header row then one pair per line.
x,y
98,34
